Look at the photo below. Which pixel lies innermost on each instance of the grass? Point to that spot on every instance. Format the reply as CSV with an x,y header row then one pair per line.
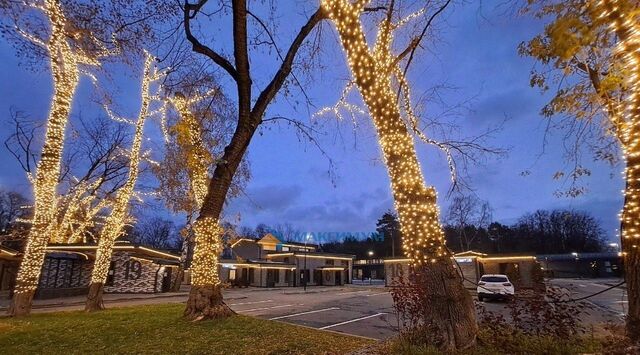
x,y
520,344
157,329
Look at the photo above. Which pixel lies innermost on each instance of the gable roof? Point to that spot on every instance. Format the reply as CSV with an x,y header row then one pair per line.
x,y
269,239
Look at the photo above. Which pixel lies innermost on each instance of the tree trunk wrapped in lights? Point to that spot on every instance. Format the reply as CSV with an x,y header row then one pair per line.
x,y
189,136
114,225
205,298
623,18
66,74
453,315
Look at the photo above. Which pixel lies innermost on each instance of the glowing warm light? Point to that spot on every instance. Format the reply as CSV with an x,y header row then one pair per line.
x,y
119,216
65,68
375,71
627,118
189,134
208,246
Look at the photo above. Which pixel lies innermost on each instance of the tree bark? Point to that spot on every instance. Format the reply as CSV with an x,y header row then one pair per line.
x,y
21,303
94,297
206,302
450,305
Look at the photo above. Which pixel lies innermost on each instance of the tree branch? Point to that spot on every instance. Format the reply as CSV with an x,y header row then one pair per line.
x,y
285,68
190,11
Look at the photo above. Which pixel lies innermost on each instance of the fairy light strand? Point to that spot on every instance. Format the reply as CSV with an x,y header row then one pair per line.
x,y
374,73
65,62
119,216
625,24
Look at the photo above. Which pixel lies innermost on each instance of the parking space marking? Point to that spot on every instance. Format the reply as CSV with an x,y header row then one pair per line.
x,y
265,308
243,303
377,294
351,321
351,292
303,313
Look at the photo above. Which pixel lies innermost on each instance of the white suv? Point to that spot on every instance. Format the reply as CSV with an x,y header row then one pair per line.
x,y
494,286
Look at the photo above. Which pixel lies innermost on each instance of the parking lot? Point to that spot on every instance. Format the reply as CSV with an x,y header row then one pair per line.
x,y
368,311
365,310
361,311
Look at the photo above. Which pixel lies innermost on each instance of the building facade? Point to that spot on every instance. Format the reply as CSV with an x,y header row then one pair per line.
x,y
523,270
269,262
67,270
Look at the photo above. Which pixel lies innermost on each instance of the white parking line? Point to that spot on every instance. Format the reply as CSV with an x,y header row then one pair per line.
x,y
264,308
377,294
351,292
303,313
351,321
241,303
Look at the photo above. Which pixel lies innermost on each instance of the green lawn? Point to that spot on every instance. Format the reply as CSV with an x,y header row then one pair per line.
x,y
160,329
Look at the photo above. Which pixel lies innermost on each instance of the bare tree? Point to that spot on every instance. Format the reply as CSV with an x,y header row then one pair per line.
x,y
468,211
205,299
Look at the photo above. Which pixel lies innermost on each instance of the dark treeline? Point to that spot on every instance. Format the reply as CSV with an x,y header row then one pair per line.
x,y
540,232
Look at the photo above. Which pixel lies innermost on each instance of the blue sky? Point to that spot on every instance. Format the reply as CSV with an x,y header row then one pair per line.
x,y
476,54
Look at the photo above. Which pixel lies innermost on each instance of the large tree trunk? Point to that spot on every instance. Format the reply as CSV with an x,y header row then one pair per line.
x,y
453,314
206,302
21,303
631,254
622,16
65,82
94,297
205,299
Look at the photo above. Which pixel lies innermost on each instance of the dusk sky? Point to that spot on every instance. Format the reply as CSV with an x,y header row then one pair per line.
x,y
476,54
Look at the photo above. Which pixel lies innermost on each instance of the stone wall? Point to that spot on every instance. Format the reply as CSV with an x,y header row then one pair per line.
x,y
134,275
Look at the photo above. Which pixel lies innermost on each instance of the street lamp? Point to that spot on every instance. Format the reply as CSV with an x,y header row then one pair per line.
x,y
370,253
306,251
575,255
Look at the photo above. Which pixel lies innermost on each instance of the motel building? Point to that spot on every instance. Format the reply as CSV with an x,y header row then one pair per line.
x,y
269,262
67,270
524,271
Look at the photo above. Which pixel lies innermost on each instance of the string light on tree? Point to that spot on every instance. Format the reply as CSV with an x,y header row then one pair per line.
x,y
374,72
385,91
119,216
65,62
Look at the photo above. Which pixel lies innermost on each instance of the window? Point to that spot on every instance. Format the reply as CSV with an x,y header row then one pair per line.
x,y
276,276
329,262
286,260
251,275
232,274
285,248
287,276
494,279
344,262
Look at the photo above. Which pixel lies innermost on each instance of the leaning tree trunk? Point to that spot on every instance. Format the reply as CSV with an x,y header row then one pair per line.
x,y
65,81
452,315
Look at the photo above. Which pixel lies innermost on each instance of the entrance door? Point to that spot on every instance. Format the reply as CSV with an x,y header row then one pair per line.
x,y
317,277
271,278
338,278
166,279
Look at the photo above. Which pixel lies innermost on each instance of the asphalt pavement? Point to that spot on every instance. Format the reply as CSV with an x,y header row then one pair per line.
x,y
365,311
